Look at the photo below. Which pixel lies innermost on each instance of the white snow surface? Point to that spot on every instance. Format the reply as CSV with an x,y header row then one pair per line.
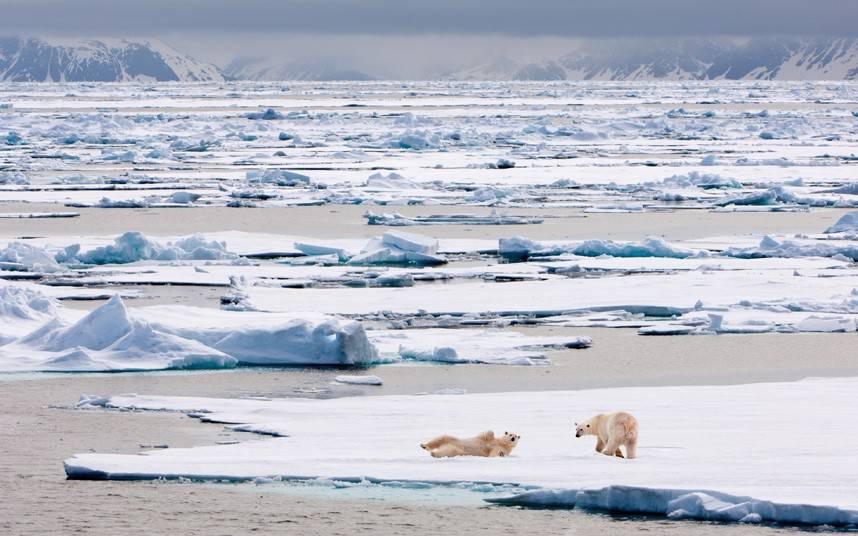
x,y
705,452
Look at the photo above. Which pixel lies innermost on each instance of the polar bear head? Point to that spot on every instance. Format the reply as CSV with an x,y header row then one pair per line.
x,y
512,438
585,428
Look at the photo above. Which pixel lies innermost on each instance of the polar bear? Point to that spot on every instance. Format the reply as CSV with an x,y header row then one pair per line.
x,y
484,444
612,430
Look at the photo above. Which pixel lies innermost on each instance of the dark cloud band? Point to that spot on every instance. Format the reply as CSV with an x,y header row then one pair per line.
x,y
571,18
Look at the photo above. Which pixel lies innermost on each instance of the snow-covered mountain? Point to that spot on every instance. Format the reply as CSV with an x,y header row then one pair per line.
x,y
103,60
244,68
765,58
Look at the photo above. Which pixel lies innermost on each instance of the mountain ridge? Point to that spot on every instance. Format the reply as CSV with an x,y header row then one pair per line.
x,y
35,59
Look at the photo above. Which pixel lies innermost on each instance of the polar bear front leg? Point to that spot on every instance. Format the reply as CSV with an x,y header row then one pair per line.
x,y
600,445
496,452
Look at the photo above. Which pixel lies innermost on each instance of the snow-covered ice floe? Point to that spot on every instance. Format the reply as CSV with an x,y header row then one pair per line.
x,y
112,338
358,380
41,335
394,219
767,292
470,345
750,453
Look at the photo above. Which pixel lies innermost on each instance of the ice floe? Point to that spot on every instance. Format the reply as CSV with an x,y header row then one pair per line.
x,y
358,380
470,346
519,248
394,219
732,465
113,338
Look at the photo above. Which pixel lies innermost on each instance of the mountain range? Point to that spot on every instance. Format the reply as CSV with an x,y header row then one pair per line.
x,y
766,58
761,58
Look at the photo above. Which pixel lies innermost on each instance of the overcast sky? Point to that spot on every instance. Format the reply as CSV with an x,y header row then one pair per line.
x,y
217,30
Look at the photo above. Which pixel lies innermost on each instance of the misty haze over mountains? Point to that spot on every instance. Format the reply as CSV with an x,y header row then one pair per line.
x,y
760,58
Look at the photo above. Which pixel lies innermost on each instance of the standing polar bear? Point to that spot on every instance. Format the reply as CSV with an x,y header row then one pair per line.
x,y
612,430
484,444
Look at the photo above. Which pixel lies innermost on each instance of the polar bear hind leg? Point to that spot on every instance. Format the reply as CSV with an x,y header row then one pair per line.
x,y
447,451
631,447
437,442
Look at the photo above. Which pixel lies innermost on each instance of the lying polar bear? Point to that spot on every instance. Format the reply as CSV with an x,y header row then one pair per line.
x,y
612,430
484,444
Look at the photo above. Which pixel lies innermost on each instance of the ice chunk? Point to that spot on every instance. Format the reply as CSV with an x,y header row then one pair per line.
x,y
766,197
683,504
266,115
391,181
826,324
518,248
358,380
410,242
21,256
378,256
279,177
22,309
770,247
107,339
299,342
134,246
847,222
183,197
13,177
398,247
92,401
398,220
315,250
705,181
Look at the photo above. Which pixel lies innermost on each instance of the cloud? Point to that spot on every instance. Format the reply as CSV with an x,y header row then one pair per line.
x,y
558,18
